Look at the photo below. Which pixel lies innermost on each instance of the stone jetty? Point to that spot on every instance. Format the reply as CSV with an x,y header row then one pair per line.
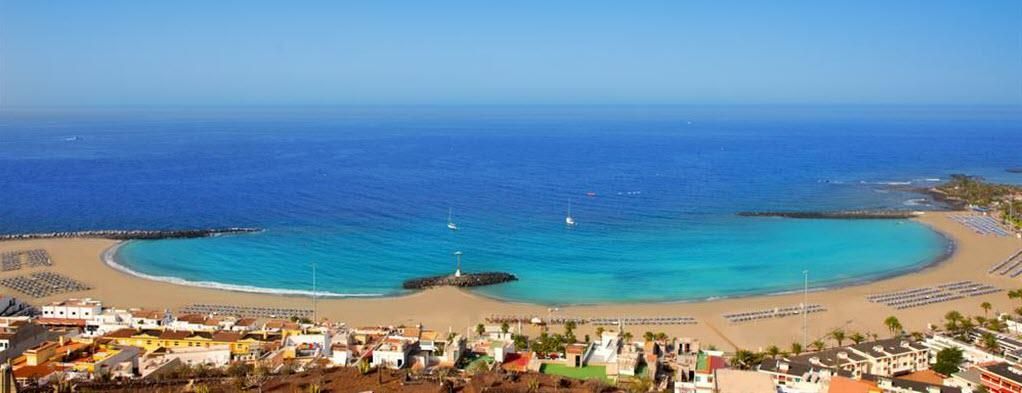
x,y
850,214
465,280
132,234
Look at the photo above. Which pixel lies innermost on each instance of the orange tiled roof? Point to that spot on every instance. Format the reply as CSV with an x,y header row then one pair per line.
x,y
840,384
122,333
146,314
925,376
226,336
192,318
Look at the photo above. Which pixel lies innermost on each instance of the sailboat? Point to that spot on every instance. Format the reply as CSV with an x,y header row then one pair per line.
x,y
569,220
450,223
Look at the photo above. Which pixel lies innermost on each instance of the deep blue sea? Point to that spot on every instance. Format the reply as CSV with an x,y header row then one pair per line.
x,y
364,192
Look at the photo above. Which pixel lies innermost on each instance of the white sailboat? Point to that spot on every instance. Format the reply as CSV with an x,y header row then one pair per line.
x,y
569,220
450,223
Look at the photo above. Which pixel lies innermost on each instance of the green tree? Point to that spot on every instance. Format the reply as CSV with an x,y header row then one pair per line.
x,y
1015,294
504,328
818,345
599,331
857,337
480,329
990,343
796,348
948,360
745,359
893,325
521,342
986,307
648,336
838,335
569,327
773,351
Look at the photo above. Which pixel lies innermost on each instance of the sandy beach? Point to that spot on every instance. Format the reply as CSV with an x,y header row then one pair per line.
x,y
458,309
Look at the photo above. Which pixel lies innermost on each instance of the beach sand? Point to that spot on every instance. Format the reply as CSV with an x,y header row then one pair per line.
x,y
450,308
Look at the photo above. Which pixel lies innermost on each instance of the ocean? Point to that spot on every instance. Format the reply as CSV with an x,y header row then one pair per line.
x,y
364,193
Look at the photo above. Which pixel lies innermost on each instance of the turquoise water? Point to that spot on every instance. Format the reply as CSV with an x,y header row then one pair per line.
x,y
364,193
713,259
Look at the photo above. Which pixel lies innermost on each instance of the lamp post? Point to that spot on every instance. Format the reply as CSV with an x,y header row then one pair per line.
x,y
805,313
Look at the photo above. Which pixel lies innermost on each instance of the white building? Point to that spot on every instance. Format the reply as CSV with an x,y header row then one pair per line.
x,y
309,345
340,354
83,309
109,320
889,357
393,352
195,323
150,319
970,353
216,356
796,377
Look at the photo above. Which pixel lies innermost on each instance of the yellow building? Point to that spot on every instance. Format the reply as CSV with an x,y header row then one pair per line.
x,y
241,344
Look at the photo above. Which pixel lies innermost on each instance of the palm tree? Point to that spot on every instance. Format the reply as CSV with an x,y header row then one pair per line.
x,y
986,307
627,336
857,337
894,325
648,336
796,348
661,336
569,328
773,351
1015,294
504,328
599,331
819,345
838,335
990,342
743,359
480,329
954,320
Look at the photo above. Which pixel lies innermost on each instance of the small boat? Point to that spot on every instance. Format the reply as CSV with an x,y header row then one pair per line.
x,y
569,220
450,224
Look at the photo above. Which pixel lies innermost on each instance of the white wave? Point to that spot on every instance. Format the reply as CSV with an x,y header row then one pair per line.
x,y
108,258
916,202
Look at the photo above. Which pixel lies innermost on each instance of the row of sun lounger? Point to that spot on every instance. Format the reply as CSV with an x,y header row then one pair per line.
x,y
606,321
903,295
12,260
643,321
43,284
924,301
1011,266
930,295
983,225
773,313
955,285
244,311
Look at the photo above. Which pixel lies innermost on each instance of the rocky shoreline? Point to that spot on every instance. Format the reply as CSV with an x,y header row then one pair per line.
x,y
132,234
851,214
465,280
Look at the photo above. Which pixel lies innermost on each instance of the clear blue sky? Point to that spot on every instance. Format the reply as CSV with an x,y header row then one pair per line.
x,y
69,53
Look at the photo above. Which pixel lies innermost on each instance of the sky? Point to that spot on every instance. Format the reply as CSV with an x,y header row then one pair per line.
x,y
215,53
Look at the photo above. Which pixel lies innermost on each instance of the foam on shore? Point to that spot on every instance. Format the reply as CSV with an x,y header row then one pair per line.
x,y
109,258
